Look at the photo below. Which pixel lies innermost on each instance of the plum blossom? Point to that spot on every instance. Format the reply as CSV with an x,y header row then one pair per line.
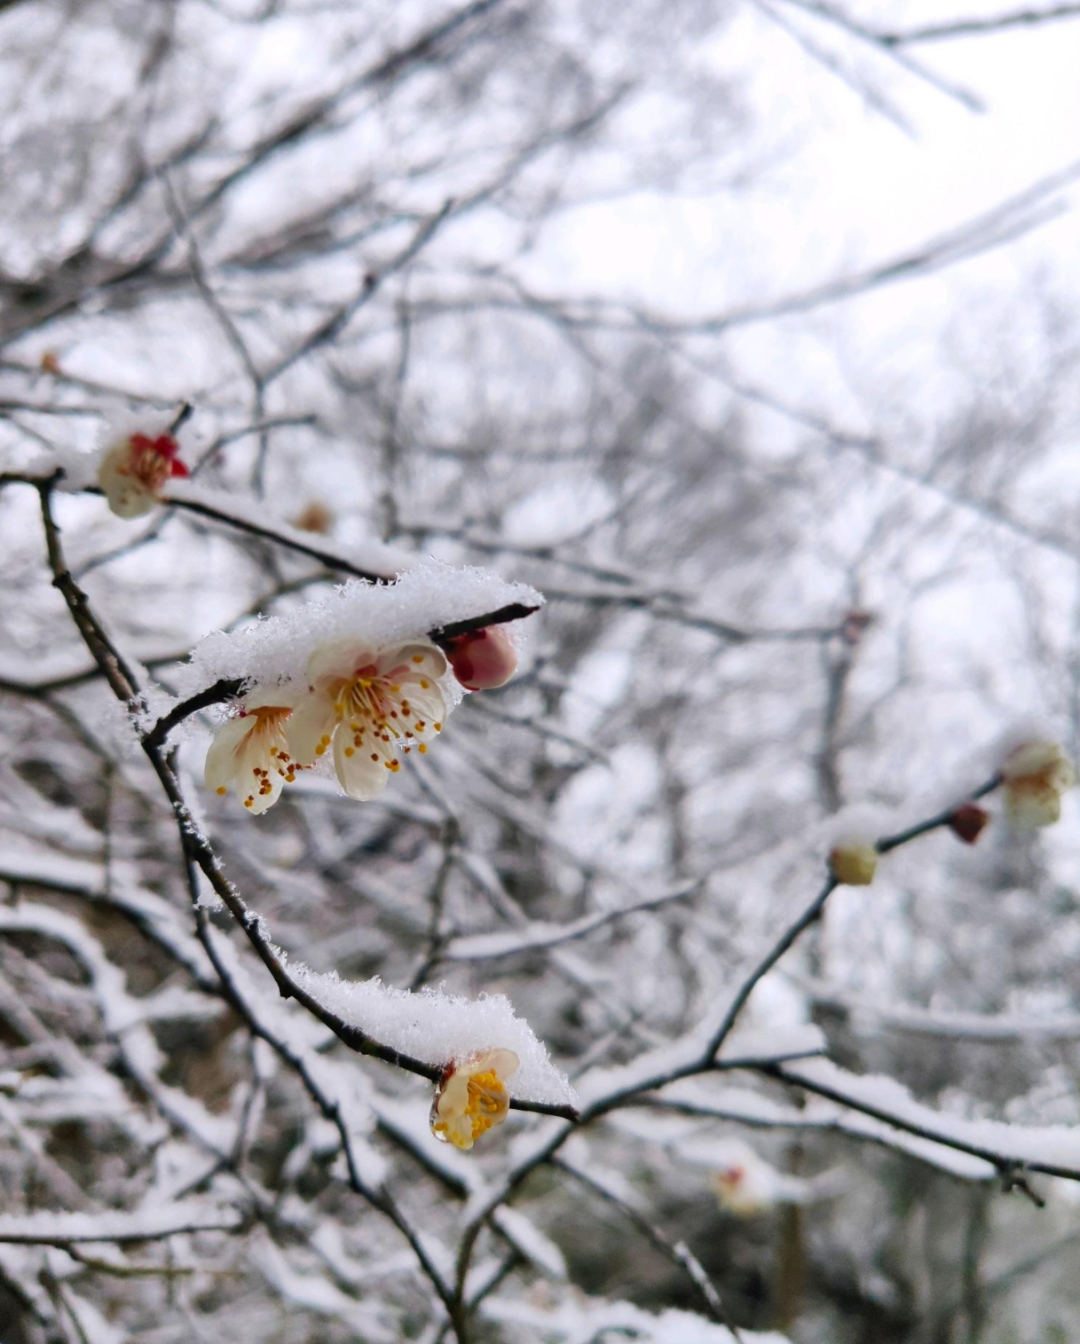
x,y
1036,775
366,704
472,1097
133,472
483,659
251,753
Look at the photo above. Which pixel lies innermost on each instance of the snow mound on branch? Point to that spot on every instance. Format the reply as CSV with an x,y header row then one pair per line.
x,y
438,1028
276,649
579,1321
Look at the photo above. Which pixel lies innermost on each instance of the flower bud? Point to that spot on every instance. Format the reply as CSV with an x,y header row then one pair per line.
x,y
854,864
483,659
967,822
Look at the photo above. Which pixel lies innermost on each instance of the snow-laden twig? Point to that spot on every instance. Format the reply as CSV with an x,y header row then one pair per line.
x,y
152,1223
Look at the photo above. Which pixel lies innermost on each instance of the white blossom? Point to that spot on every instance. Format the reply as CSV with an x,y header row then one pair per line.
x,y
133,472
250,752
367,704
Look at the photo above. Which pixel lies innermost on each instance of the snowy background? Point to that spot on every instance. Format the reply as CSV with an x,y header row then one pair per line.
x,y
745,333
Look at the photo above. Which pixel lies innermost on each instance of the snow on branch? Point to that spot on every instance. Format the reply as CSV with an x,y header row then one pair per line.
x,y
440,1029
428,600
1051,1149
152,1223
593,1319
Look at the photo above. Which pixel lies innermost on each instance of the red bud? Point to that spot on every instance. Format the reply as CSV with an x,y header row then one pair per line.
x,y
967,822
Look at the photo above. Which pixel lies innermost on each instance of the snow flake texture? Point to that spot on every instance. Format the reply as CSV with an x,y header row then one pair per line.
x,y
275,649
440,1029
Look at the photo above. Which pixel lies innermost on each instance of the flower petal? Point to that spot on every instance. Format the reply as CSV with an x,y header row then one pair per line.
x,y
340,658
222,759
419,658
126,494
310,727
361,777
427,704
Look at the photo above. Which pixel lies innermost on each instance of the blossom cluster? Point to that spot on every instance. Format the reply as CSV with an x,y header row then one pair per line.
x,y
361,707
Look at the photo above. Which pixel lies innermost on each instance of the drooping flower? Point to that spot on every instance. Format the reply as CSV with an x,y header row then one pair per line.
x,y
366,704
1035,776
483,659
472,1097
250,752
133,472
854,863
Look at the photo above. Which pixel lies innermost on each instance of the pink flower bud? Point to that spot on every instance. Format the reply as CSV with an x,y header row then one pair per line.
x,y
483,659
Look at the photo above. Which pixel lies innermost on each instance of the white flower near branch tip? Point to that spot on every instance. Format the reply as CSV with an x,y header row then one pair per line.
x,y
366,704
472,1097
133,472
1036,775
251,753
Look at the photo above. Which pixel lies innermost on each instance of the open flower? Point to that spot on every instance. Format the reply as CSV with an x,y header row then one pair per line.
x,y
483,659
133,472
250,752
367,704
1035,776
472,1097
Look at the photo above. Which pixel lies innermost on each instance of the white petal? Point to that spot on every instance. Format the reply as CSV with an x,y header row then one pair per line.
x,y
258,774
337,659
310,722
261,801
126,494
360,776
426,702
501,1062
222,760
264,697
419,658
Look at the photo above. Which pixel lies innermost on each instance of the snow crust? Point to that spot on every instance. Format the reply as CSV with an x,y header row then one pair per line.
x,y
439,1028
275,650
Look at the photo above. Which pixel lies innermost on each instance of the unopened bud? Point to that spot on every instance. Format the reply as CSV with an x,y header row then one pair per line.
x,y
854,864
967,822
483,659
315,517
